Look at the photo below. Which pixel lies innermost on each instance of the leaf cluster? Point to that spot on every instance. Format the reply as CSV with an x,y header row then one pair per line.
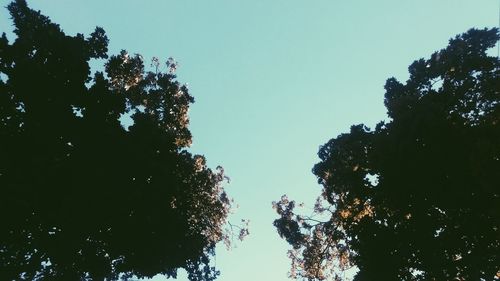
x,y
83,196
417,198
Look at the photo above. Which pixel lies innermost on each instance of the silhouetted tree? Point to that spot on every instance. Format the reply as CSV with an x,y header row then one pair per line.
x,y
82,197
418,197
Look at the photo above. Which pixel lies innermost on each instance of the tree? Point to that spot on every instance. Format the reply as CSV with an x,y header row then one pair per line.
x,y
417,198
81,196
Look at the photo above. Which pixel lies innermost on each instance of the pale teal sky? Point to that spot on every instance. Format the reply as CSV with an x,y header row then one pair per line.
x,y
273,80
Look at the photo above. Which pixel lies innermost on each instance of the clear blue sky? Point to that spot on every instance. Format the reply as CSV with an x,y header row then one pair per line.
x,y
273,80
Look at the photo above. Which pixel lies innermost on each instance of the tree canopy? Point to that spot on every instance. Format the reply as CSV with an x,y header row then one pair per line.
x,y
83,196
417,198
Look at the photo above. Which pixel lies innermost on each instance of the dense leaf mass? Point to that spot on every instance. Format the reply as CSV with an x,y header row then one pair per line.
x,y
82,196
417,198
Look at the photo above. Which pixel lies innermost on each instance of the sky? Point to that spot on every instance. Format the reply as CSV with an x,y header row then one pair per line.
x,y
273,80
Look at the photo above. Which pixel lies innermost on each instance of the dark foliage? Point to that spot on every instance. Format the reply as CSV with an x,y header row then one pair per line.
x,y
418,197
82,197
